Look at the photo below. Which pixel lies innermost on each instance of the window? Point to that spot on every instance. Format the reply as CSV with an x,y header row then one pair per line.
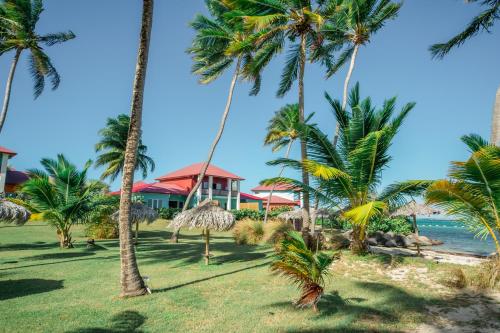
x,y
173,204
205,185
218,186
155,203
181,204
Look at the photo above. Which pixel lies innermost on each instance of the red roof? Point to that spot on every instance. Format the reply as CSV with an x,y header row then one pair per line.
x,y
142,187
15,177
194,170
277,187
280,201
249,196
7,151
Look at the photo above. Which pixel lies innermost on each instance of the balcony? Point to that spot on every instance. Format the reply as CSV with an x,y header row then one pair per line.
x,y
219,193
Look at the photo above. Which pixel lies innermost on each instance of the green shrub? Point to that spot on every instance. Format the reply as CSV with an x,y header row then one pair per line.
x,y
275,230
398,225
247,214
106,229
168,213
248,232
273,213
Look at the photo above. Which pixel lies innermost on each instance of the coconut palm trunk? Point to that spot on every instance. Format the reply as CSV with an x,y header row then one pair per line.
x,y
268,205
175,234
132,283
495,124
303,148
8,88
346,89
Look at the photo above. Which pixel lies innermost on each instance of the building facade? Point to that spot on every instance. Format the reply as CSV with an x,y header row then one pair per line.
x,y
283,195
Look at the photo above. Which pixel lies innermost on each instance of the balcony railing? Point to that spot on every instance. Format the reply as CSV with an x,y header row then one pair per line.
x,y
220,193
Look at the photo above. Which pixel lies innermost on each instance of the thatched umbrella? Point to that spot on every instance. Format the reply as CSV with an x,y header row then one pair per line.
x,y
412,209
138,213
13,213
294,216
207,216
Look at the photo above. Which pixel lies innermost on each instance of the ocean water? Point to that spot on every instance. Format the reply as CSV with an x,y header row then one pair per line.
x,y
455,236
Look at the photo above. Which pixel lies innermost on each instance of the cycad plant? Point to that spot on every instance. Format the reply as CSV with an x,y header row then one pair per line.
x,y
283,130
303,268
221,41
472,191
348,175
62,194
353,26
18,20
482,22
112,149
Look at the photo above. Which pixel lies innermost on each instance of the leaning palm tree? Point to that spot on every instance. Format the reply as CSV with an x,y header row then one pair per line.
x,y
295,261
221,40
472,192
112,146
353,26
132,283
283,130
18,20
348,175
300,23
62,194
482,22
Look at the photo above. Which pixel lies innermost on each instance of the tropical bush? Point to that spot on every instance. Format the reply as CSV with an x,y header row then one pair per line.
x,y
485,276
100,224
247,214
248,231
168,213
303,267
275,231
398,225
106,229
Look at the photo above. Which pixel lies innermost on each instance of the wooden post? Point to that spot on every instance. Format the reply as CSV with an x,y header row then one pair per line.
x,y
207,246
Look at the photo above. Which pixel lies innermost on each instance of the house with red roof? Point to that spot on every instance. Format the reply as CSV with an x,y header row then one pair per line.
x,y
284,195
10,179
172,189
5,155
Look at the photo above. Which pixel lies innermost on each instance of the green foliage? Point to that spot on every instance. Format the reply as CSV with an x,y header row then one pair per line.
x,y
168,213
100,225
304,268
247,214
248,232
275,231
18,20
112,149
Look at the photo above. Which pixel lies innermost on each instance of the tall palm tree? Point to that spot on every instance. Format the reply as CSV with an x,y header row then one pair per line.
x,y
283,130
472,192
62,194
482,22
132,283
353,26
300,23
348,175
18,19
112,147
221,40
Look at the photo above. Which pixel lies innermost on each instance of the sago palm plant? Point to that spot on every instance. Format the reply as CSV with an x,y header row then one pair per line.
x,y
472,191
18,20
349,175
303,268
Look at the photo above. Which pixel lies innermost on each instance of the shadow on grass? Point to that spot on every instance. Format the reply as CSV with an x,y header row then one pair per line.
x,y
126,321
24,287
30,246
59,255
61,262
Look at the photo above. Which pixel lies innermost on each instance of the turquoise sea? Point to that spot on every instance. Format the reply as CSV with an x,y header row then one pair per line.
x,y
455,236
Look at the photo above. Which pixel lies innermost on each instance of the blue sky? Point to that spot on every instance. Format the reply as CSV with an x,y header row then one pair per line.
x,y
454,96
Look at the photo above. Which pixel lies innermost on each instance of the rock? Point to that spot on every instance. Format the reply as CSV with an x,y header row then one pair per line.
x,y
425,241
408,241
391,243
436,242
379,236
372,241
400,240
339,242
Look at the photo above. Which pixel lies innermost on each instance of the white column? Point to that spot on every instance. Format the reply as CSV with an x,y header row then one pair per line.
x,y
210,186
238,196
229,194
198,193
301,198
3,171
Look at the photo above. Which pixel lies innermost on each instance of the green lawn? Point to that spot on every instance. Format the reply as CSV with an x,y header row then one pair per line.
x,y
45,289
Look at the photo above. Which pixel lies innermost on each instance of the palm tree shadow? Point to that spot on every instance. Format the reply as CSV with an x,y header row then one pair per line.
x,y
126,321
25,287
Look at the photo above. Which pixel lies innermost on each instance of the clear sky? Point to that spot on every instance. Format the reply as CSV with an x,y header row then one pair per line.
x,y
454,96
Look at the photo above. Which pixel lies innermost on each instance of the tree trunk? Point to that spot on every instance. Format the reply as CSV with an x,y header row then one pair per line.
x,y
303,148
136,232
8,88
132,283
268,204
346,90
207,246
175,234
495,124
358,245
415,226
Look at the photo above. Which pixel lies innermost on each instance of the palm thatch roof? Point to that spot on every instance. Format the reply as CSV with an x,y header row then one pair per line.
x,y
13,213
323,213
413,209
206,215
139,213
292,215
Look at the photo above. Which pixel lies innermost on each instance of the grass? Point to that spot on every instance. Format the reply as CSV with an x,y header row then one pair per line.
x,y
46,289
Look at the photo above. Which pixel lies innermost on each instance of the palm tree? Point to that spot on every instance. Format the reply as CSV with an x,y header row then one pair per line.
x,y
348,175
62,194
302,267
112,145
300,23
132,283
220,41
482,22
472,192
284,128
18,19
353,26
